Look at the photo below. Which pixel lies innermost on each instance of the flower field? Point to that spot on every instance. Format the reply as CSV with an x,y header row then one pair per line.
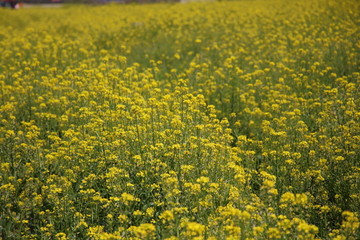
x,y
221,120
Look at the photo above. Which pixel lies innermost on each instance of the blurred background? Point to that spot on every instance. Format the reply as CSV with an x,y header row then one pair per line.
x,y
56,3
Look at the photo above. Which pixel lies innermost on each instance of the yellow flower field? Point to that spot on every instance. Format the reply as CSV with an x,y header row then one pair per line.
x,y
221,120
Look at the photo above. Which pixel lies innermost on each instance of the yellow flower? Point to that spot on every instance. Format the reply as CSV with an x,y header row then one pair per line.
x,y
61,236
167,216
273,233
143,231
203,180
193,229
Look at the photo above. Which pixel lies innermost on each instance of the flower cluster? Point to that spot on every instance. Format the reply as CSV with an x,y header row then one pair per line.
x,y
221,120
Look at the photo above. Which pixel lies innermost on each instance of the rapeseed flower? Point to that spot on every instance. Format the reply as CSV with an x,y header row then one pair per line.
x,y
222,120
